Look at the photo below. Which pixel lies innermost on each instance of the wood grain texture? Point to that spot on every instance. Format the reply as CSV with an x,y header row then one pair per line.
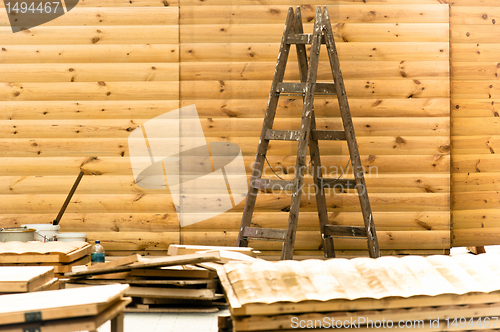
x,y
363,51
70,105
276,13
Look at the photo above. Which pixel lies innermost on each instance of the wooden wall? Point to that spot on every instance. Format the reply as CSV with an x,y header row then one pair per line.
x,y
70,93
73,89
475,64
395,60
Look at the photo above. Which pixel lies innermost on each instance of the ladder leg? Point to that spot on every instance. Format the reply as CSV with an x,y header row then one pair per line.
x,y
373,246
328,247
258,165
305,133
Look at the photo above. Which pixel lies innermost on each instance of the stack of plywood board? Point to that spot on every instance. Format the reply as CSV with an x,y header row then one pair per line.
x,y
163,284
24,279
435,293
64,310
60,255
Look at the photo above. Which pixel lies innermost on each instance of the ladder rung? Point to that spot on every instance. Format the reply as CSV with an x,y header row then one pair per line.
x,y
273,184
302,38
283,135
321,88
265,233
294,135
329,135
339,183
345,231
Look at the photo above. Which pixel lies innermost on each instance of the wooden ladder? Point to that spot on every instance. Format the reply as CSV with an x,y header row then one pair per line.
x,y
308,136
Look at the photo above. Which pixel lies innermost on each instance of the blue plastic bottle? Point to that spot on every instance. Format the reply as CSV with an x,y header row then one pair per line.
x,y
97,254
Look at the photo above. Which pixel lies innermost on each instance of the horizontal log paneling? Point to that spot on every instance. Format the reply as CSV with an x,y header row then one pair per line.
x,y
125,184
474,57
476,144
476,236
467,182
476,89
83,72
474,33
478,52
344,32
471,163
324,107
476,126
124,3
311,240
78,110
89,91
159,203
84,54
199,71
315,2
108,147
470,70
86,16
216,127
42,35
168,222
425,88
251,14
121,166
89,74
474,15
470,108
362,51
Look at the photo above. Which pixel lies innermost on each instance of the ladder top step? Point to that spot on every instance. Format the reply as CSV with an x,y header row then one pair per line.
x,y
300,88
265,233
294,135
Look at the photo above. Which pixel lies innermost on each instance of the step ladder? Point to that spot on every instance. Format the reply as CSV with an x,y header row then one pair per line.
x,y
308,136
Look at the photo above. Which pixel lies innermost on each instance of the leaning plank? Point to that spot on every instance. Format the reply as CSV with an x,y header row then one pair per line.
x,y
171,272
152,263
117,262
182,249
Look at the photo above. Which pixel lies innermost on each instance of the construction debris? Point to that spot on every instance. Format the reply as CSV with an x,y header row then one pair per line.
x,y
180,283
291,295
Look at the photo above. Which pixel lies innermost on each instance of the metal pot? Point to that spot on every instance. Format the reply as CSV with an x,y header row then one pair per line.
x,y
22,234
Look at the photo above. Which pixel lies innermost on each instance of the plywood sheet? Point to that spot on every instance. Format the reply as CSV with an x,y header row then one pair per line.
x,y
37,252
59,304
265,288
152,263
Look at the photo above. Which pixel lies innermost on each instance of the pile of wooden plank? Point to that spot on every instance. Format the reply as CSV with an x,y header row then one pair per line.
x,y
62,256
64,310
162,284
435,293
25,279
